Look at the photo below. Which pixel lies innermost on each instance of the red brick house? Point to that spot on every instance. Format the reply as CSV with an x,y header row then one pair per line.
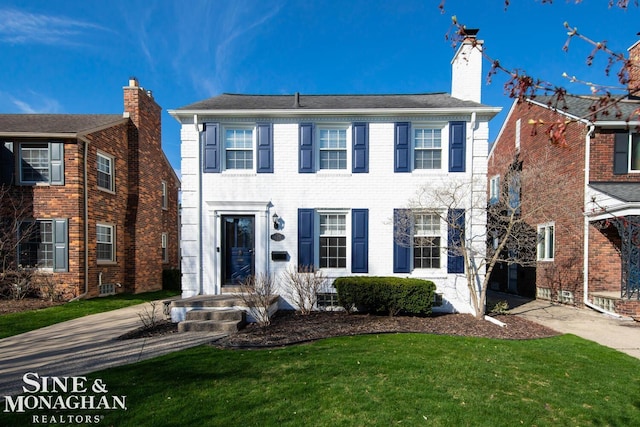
x,y
101,197
588,250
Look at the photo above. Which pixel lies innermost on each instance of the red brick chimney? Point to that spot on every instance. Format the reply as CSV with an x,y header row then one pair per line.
x,y
634,70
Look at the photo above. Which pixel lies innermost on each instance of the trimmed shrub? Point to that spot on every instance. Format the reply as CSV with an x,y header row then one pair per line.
x,y
388,295
171,280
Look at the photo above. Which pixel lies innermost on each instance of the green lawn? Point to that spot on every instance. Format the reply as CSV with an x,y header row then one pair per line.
x,y
17,323
380,380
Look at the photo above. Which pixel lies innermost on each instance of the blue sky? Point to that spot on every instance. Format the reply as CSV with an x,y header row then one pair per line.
x,y
67,56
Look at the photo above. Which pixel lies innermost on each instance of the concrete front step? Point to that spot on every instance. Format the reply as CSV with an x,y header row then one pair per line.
x,y
209,301
215,314
217,326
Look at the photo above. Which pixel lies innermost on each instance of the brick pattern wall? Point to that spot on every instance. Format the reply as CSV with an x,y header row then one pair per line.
x,y
541,200
604,260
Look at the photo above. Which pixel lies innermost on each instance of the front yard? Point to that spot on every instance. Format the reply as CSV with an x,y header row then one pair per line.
x,y
386,379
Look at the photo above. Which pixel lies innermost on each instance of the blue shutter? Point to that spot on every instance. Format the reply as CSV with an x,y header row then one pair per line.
x,y
457,146
60,245
621,153
401,241
56,154
402,149
306,241
360,148
211,149
265,148
7,163
306,161
360,241
455,234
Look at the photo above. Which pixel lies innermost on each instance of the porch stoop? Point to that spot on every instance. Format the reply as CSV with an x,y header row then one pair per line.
x,y
214,313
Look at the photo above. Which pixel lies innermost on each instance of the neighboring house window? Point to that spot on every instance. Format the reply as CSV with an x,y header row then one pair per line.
x,y
333,148
41,162
426,241
165,195
238,147
105,243
43,244
333,240
494,190
165,253
105,172
514,191
546,242
427,145
634,158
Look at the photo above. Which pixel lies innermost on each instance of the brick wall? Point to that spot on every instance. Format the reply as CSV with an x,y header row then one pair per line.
x,y
552,190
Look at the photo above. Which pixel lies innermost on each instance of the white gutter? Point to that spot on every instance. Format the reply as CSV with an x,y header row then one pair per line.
x,y
200,211
335,112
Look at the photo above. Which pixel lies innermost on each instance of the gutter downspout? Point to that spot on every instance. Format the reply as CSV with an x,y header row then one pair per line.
x,y
86,218
586,228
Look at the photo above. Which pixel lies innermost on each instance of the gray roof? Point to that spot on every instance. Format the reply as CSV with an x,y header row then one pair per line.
x,y
625,191
55,123
229,101
582,106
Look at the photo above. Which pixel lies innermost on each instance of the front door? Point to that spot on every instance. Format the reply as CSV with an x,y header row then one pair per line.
x,y
238,248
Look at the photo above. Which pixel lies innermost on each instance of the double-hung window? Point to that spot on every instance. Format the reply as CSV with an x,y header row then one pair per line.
x,y
105,172
41,163
36,244
165,195
105,238
164,243
333,148
238,147
427,145
43,244
426,241
333,240
546,242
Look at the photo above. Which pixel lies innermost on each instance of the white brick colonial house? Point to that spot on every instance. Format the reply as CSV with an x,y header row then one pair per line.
x,y
272,182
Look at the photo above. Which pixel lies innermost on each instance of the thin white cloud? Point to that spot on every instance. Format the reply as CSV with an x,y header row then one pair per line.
x,y
35,104
18,27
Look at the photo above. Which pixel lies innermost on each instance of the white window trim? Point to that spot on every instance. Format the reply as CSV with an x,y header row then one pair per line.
x,y
20,237
541,250
630,153
443,243
347,231
113,259
165,245
444,146
223,143
494,188
111,159
349,147
19,160
165,195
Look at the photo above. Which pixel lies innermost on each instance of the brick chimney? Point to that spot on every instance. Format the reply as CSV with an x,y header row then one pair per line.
x,y
634,70
466,68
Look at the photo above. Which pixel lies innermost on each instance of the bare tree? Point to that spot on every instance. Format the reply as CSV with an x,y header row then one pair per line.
x,y
303,285
258,293
500,231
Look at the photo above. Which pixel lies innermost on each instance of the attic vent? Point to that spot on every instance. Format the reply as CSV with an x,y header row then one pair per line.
x,y
296,102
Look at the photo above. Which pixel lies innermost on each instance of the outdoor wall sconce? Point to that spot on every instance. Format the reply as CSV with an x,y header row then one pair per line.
x,y
276,221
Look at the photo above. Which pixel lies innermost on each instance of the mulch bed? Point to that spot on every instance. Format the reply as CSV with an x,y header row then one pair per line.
x,y
292,328
15,306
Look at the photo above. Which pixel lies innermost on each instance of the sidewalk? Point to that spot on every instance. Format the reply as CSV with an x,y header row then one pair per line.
x,y
620,334
85,345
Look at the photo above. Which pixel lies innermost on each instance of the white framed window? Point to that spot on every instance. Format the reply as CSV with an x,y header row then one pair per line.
x,y
105,239
333,239
427,241
494,189
546,241
165,195
165,252
34,163
332,146
35,244
427,147
238,148
105,172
